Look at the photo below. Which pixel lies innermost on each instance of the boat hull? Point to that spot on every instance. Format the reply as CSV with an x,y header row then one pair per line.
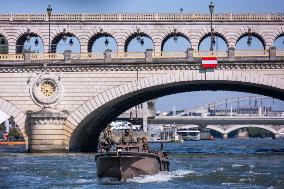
x,y
125,165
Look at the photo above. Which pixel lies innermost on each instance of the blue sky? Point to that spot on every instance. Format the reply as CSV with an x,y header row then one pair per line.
x,y
184,100
37,6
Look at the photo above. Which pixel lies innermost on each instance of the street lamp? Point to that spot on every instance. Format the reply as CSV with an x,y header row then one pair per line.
x,y
36,42
64,37
106,42
28,37
211,9
175,35
71,42
49,10
249,37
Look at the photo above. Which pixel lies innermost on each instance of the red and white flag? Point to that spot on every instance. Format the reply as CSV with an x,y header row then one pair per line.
x,y
209,62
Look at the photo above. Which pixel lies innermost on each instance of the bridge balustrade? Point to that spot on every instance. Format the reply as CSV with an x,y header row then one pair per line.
x,y
47,56
279,52
218,54
11,57
146,17
169,55
252,53
142,55
87,56
127,55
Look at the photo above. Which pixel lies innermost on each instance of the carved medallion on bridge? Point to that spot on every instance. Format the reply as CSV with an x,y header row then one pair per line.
x,y
46,89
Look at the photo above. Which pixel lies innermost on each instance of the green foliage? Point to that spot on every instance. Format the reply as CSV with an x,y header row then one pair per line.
x,y
14,132
253,132
2,127
259,133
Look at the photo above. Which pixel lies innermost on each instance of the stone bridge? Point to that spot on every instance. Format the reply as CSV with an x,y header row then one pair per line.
x,y
63,101
87,28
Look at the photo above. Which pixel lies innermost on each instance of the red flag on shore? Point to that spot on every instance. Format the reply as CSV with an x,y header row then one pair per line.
x,y
209,62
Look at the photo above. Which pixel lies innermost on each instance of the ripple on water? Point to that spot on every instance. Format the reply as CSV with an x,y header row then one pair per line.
x,y
237,165
161,177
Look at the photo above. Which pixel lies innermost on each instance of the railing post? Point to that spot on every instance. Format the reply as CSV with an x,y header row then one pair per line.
x,y
67,56
27,57
189,53
149,55
231,53
108,55
272,52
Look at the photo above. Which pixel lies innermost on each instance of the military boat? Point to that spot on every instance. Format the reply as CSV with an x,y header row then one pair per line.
x,y
128,161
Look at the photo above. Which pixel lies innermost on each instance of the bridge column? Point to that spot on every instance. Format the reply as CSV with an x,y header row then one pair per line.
x,y
272,52
149,55
189,53
46,131
12,47
231,53
225,135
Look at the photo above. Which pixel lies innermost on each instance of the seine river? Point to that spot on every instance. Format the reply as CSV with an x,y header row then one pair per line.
x,y
232,163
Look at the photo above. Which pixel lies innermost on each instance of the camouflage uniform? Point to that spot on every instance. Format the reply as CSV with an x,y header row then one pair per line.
x,y
106,141
145,145
126,139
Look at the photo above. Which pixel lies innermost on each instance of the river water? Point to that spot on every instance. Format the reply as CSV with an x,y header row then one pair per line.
x,y
232,163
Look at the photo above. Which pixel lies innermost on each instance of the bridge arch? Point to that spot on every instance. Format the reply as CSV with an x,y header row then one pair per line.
x,y
253,34
18,115
85,124
96,36
4,44
58,37
279,36
23,38
216,128
173,34
236,127
133,36
220,35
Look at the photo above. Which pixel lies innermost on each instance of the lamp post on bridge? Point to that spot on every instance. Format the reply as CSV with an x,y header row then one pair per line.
x,y
49,10
211,9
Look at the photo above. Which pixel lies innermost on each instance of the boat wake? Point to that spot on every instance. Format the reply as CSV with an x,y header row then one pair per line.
x,y
160,177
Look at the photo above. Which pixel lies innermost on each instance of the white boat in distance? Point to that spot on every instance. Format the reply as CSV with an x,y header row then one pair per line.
x,y
188,134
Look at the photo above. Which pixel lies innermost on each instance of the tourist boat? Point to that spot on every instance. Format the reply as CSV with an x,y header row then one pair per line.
x,y
128,161
188,134
170,135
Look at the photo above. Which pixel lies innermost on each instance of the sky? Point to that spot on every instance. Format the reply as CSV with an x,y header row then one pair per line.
x,y
103,6
180,101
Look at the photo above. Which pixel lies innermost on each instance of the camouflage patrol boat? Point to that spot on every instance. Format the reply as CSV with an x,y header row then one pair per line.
x,y
128,161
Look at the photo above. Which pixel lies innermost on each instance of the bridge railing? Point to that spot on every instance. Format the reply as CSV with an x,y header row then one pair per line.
x,y
169,54
218,54
47,56
279,52
190,54
87,56
166,17
252,53
7,57
127,55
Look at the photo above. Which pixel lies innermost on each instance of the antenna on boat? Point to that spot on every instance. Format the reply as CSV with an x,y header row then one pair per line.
x,y
136,112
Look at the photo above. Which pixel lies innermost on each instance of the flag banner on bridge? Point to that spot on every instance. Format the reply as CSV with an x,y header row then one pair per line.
x,y
209,62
